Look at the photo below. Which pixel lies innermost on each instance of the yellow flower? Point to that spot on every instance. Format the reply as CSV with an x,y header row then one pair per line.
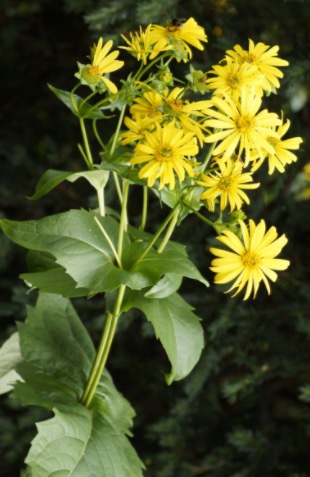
x,y
178,33
102,63
231,77
166,152
281,154
264,58
183,111
136,129
148,106
140,45
251,259
242,126
227,183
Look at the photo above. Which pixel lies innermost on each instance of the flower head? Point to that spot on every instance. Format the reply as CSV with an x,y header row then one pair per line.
x,y
185,112
243,127
102,64
281,154
177,35
166,152
227,184
250,259
148,106
232,77
140,45
136,129
264,58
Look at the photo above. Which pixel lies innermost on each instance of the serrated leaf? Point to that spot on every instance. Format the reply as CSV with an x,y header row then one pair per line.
x,y
81,442
52,178
85,110
78,244
57,353
49,277
176,326
10,356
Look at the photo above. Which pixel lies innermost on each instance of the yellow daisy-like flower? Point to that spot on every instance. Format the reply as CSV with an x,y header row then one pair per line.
x,y
178,33
166,152
230,78
227,183
281,154
136,129
264,58
140,45
148,106
183,111
242,126
250,259
102,63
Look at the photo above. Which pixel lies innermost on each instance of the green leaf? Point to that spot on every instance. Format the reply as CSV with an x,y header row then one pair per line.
x,y
155,265
57,353
78,244
84,110
49,277
9,357
176,326
166,286
85,246
52,178
81,442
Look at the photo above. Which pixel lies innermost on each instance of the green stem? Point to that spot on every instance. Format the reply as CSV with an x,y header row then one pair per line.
x,y
118,187
158,233
117,130
169,230
89,161
97,136
104,349
100,196
73,102
144,208
123,220
203,218
140,73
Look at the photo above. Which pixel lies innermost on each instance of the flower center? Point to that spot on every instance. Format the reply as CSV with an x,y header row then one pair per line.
x,y
225,183
251,260
248,58
176,105
94,70
233,81
244,123
164,153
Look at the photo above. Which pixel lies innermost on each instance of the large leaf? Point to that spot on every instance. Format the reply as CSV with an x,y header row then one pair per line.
x,y
176,326
84,245
76,240
81,442
57,353
10,356
49,277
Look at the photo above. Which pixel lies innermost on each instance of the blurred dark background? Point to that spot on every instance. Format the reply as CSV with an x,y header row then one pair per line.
x,y
245,409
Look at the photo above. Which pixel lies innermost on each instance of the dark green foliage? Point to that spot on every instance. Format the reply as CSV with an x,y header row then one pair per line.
x,y
244,411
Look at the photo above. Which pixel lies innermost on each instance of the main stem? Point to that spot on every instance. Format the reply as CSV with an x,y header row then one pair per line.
x,y
104,349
